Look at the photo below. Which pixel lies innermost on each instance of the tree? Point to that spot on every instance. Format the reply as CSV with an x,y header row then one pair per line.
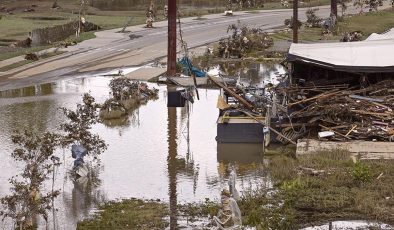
x,y
27,200
78,128
359,4
343,4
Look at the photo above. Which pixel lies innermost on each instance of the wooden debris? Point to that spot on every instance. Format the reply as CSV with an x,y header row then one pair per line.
x,y
352,113
231,92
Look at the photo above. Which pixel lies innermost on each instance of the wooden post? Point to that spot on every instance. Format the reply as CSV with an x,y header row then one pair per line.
x,y
295,21
334,8
171,49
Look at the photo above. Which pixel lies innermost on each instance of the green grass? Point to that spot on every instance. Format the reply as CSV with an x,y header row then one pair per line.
x,y
368,23
10,53
21,51
128,214
342,190
373,22
24,62
311,3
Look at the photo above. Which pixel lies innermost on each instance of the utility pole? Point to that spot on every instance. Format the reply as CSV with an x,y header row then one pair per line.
x,y
171,50
295,21
334,8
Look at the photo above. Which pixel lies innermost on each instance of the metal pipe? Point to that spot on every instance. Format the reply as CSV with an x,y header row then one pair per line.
x,y
171,50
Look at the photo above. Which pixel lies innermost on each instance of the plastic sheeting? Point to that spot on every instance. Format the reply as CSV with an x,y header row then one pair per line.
x,y
231,184
188,68
78,152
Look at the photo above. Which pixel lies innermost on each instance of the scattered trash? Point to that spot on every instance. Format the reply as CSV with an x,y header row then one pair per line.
x,y
352,36
126,95
31,57
312,19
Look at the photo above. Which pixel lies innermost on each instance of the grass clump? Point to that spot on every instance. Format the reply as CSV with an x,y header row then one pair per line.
x,y
329,185
368,23
128,214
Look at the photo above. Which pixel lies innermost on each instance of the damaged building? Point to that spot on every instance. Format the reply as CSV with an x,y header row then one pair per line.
x,y
368,61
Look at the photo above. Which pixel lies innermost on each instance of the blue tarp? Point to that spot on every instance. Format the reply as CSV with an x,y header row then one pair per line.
x,y
188,68
78,152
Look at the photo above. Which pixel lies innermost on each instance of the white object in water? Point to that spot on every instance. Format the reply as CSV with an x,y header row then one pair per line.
x,y
231,184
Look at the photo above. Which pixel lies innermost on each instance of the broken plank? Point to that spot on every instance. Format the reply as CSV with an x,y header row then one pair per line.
x,y
357,97
328,94
340,134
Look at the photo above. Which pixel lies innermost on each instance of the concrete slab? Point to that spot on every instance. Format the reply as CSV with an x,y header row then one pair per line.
x,y
361,149
146,73
188,81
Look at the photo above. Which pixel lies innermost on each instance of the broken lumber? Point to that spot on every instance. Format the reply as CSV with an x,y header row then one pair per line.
x,y
232,93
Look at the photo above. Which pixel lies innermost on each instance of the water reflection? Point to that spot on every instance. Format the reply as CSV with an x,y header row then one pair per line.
x,y
249,73
240,153
172,165
37,90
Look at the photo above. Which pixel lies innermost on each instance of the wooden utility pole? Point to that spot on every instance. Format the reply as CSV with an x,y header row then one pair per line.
x,y
171,50
295,21
334,7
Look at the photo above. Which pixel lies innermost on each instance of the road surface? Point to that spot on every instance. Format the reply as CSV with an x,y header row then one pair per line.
x,y
113,50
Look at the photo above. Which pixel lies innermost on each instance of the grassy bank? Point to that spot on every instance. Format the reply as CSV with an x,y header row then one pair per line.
x,y
24,62
323,187
128,214
15,52
368,23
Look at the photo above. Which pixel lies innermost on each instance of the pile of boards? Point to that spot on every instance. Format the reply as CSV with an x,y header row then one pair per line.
x,y
338,112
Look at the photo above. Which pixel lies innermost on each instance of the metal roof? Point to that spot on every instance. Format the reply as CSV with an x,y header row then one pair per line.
x,y
376,54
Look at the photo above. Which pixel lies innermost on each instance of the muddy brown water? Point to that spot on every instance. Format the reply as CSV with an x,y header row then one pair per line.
x,y
148,157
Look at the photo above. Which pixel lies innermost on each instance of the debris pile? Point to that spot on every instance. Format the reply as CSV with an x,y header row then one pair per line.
x,y
243,40
126,95
339,112
31,57
312,19
352,36
289,23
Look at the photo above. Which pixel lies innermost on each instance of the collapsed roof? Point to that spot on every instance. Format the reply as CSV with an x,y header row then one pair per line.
x,y
375,54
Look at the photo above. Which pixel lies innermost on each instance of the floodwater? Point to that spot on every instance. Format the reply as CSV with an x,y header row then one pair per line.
x,y
160,153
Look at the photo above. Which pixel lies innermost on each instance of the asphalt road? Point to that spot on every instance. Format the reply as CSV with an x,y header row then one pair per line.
x,y
113,50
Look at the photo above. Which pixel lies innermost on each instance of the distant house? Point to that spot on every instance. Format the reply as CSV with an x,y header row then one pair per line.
x,y
371,60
